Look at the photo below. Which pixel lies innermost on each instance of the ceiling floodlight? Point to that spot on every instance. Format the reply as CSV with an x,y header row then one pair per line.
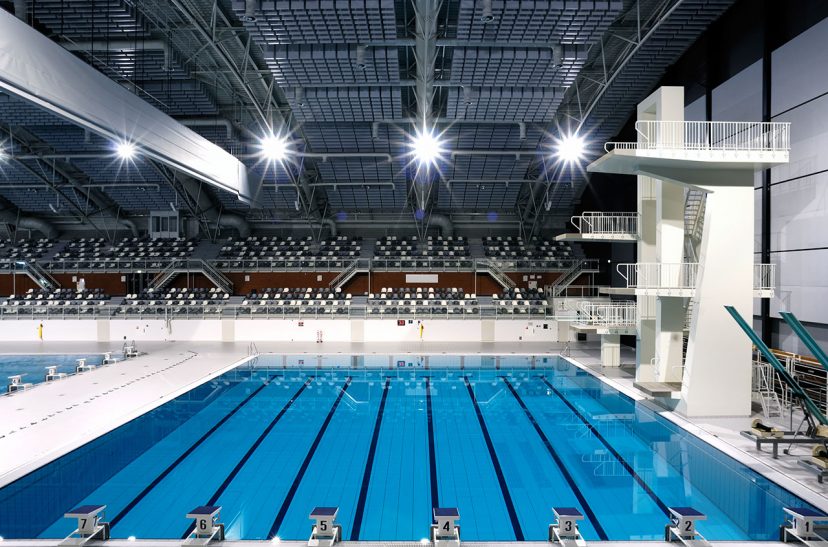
x,y
570,148
125,150
274,148
426,147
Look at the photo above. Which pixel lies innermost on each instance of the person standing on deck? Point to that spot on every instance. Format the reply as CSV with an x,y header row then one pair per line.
x,y
421,330
40,332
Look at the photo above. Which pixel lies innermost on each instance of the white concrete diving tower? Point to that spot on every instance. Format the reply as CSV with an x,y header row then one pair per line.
x,y
680,286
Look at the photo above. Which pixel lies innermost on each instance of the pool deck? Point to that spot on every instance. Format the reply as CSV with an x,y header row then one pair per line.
x,y
41,424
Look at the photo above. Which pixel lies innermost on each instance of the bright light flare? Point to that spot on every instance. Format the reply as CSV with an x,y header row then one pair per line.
x,y
274,148
426,147
125,150
570,148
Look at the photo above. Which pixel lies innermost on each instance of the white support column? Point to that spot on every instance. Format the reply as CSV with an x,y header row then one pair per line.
x,y
661,206
717,379
645,344
669,325
610,350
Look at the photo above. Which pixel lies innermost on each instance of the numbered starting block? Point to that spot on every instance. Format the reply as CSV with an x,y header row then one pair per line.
x,y
801,526
206,528
565,530
326,532
90,525
108,359
52,374
83,367
16,384
445,532
130,351
682,527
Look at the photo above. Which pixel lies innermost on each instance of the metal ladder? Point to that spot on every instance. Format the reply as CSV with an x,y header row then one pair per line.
x,y
498,274
583,265
763,389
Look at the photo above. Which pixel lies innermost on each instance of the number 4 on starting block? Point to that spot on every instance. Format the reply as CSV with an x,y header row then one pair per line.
x,y
445,532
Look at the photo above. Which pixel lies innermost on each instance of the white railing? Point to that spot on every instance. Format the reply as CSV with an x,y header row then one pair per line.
x,y
606,314
764,277
723,136
684,275
599,223
658,275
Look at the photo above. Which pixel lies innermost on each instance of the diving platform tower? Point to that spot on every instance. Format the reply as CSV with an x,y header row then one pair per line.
x,y
681,283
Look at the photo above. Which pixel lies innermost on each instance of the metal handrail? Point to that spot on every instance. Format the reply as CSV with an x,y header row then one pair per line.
x,y
305,310
719,136
608,314
597,222
659,275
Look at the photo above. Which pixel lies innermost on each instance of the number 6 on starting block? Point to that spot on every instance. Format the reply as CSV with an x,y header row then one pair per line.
x,y
207,527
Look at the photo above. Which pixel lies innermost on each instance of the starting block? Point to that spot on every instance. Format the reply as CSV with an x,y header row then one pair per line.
x,y
16,384
683,527
52,374
130,351
206,528
326,532
565,530
445,532
108,359
90,525
83,367
801,526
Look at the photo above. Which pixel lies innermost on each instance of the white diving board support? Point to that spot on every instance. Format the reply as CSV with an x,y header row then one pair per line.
x,y
207,527
82,366
802,524
16,384
52,374
90,525
325,532
682,527
445,532
565,530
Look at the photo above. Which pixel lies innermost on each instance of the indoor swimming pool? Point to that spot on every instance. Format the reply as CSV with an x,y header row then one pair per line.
x,y
33,367
504,441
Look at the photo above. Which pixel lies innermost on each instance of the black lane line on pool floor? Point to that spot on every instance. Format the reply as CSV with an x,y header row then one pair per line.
x,y
501,480
432,453
613,451
251,450
280,516
602,534
369,464
137,499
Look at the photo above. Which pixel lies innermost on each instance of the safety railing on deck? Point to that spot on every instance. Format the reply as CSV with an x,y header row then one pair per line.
x,y
229,311
601,223
764,277
607,314
723,136
659,275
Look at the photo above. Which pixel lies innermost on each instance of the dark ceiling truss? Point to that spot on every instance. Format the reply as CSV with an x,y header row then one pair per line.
x,y
348,78
45,165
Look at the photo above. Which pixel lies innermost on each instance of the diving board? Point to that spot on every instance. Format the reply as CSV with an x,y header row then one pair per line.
x,y
806,338
807,403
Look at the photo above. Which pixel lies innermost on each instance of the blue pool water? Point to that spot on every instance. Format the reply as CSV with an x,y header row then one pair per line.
x,y
33,367
386,445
